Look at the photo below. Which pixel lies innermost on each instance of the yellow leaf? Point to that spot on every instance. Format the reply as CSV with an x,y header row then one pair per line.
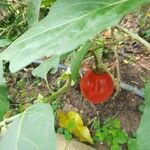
x,y
73,115
62,118
83,134
73,122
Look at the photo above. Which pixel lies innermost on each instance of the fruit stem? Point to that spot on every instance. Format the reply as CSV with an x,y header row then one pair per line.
x,y
100,67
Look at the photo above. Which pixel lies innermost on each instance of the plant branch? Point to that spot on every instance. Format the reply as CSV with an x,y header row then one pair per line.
x,y
98,61
118,73
136,37
59,92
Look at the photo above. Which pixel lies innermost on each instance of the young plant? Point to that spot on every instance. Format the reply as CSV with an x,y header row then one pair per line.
x,y
110,132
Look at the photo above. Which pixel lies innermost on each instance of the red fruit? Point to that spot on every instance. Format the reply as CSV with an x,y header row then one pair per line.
x,y
97,88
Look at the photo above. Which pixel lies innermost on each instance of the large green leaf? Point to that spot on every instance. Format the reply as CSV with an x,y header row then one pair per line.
x,y
33,10
143,133
69,24
4,43
50,64
4,101
32,130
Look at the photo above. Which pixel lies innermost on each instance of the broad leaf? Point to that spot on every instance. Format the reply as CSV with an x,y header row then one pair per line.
x,y
32,130
33,10
143,133
69,24
132,144
4,42
50,64
4,101
77,60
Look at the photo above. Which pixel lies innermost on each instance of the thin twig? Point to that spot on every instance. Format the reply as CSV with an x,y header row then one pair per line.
x,y
59,92
136,37
118,73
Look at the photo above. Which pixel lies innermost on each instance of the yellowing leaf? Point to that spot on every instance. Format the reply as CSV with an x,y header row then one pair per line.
x,y
83,134
77,118
73,122
62,118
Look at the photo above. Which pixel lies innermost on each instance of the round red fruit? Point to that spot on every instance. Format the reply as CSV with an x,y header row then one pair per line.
x,y
96,88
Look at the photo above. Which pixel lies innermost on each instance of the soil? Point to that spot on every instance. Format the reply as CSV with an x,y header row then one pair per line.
x,y
23,87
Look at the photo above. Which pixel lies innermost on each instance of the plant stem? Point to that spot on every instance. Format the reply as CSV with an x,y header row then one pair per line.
x,y
48,86
118,73
59,92
100,67
136,37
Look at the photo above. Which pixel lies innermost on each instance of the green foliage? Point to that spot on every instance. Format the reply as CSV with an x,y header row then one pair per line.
x,y
33,11
66,133
141,108
115,147
132,144
47,3
33,129
4,101
50,64
147,34
143,135
77,60
56,104
62,30
110,132
14,22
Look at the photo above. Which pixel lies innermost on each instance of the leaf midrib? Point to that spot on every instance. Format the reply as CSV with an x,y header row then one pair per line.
x,y
19,129
70,21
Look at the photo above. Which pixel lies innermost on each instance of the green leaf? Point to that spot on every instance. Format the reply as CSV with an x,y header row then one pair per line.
x,y
60,130
132,144
33,10
77,60
95,125
141,108
69,24
4,101
116,123
100,136
115,147
121,137
67,135
143,133
147,94
4,42
50,64
32,130
47,3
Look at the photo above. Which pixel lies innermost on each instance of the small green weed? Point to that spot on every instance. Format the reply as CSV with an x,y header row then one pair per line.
x,y
110,132
66,133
